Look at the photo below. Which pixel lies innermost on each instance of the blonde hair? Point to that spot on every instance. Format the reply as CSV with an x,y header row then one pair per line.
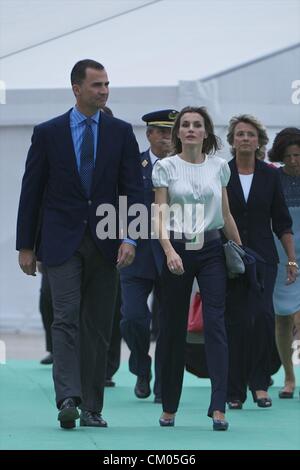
x,y
263,138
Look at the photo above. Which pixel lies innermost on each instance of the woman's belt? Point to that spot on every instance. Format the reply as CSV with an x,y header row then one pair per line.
x,y
209,235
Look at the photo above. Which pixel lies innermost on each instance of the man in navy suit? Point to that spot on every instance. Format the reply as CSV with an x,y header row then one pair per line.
x,y
142,276
76,163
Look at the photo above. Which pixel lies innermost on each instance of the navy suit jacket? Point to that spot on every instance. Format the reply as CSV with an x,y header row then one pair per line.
x,y
149,254
52,195
265,211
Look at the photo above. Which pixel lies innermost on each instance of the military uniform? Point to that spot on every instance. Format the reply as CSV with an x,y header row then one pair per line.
x,y
139,279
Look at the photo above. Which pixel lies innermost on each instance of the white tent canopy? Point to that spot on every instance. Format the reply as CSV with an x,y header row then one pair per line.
x,y
141,43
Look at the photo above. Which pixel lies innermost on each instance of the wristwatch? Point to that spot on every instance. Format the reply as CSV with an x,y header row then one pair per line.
x,y
293,263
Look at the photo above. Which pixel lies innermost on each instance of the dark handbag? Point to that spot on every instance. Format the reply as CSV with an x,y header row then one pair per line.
x,y
195,360
195,320
234,255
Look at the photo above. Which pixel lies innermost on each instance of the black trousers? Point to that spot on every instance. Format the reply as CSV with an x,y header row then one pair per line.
x,y
155,311
46,310
208,266
250,330
114,350
135,326
83,293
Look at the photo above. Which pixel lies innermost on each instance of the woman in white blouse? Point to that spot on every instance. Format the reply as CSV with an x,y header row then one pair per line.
x,y
191,183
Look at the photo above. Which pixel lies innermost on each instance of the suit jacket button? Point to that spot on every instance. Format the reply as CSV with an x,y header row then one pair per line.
x,y
85,222
89,202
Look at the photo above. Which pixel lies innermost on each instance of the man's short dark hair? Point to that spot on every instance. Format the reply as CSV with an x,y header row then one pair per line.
x,y
79,70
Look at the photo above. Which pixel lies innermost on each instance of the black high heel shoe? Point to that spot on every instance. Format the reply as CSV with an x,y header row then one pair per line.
x,y
220,425
167,421
284,394
262,402
235,405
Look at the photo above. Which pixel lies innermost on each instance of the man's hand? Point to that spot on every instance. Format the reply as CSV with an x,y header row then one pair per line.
x,y
126,255
27,262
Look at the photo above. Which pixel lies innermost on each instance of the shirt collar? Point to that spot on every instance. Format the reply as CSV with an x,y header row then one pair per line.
x,y
81,117
153,157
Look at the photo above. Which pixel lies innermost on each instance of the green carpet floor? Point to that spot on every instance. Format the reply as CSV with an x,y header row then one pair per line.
x,y
28,417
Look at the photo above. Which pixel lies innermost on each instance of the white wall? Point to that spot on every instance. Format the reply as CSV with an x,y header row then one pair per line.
x,y
18,293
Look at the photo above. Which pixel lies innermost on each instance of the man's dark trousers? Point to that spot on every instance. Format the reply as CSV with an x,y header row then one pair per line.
x,y
84,291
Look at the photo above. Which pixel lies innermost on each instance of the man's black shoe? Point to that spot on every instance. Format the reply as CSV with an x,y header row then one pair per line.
x,y
47,359
68,413
109,382
142,387
92,418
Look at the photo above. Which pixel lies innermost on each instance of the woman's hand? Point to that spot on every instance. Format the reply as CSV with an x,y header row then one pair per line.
x,y
174,263
291,274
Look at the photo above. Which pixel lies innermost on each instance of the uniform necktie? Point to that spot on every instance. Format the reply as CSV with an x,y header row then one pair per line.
x,y
87,157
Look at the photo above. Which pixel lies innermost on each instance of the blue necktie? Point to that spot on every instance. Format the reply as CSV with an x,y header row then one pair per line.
x,y
87,157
